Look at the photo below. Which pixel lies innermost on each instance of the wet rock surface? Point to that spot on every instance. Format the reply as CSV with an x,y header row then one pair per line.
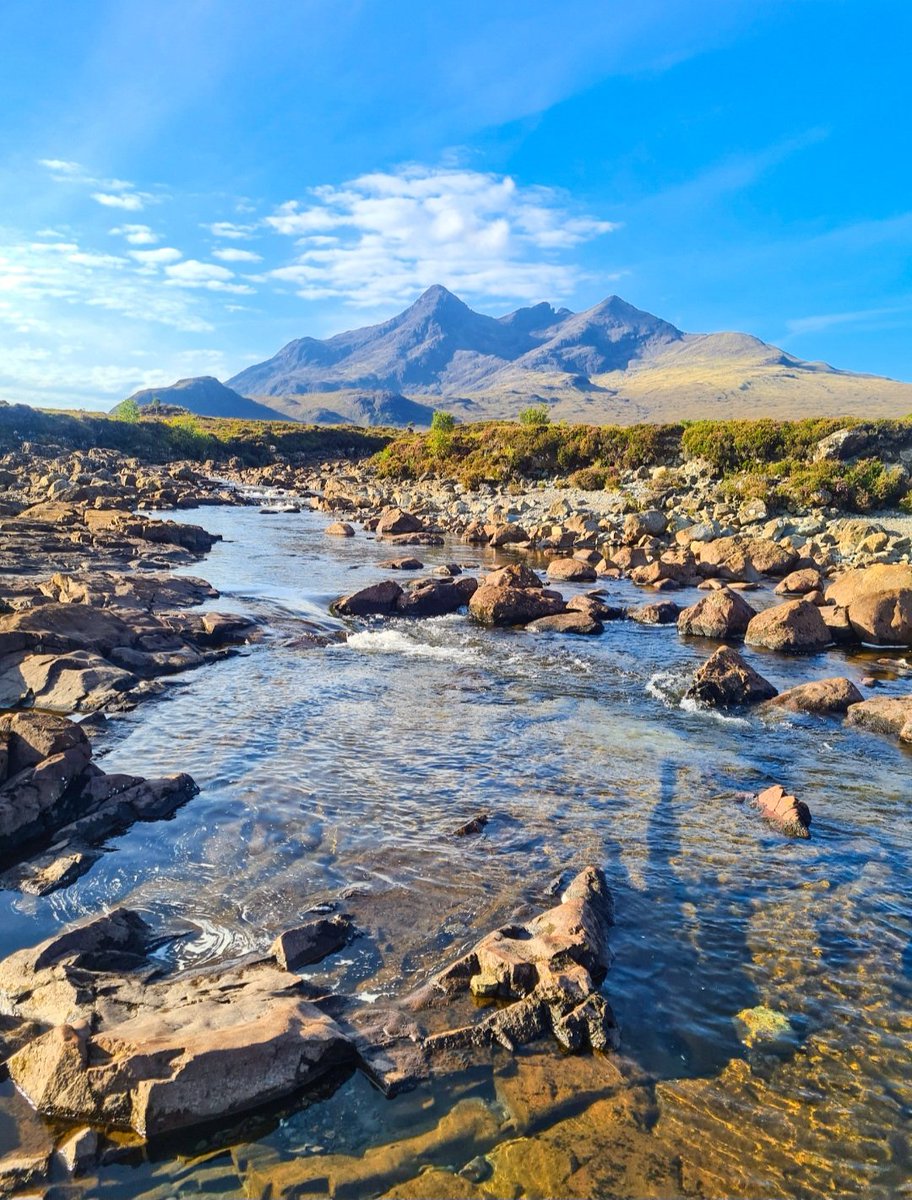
x,y
57,806
726,681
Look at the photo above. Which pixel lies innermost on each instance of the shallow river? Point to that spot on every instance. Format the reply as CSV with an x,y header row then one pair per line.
x,y
345,769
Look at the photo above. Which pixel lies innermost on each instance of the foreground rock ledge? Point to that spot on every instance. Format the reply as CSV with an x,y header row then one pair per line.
x,y
548,972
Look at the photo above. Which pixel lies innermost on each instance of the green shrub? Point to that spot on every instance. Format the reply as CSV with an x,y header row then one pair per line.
x,y
127,410
535,414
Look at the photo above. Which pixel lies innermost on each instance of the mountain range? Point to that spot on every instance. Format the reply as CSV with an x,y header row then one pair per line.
x,y
611,363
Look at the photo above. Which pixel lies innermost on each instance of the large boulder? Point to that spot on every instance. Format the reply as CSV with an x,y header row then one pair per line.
x,y
436,597
513,605
723,614
377,599
821,696
878,601
513,575
726,681
396,521
571,570
795,627
884,714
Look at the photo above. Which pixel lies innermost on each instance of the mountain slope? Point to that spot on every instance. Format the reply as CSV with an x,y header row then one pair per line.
x,y
206,397
613,362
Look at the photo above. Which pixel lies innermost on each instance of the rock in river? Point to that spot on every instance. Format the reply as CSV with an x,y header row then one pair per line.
x,y
128,1052
567,622
878,600
795,628
791,816
723,614
726,681
379,598
513,605
544,975
571,570
820,696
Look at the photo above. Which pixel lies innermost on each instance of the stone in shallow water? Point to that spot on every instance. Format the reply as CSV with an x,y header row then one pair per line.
x,y
790,815
762,1024
726,681
312,942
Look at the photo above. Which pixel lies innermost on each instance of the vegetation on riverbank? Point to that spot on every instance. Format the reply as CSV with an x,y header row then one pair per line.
x,y
761,459
184,436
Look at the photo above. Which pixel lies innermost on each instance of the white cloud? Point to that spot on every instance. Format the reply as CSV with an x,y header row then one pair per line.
x,y
131,201
61,166
383,236
228,229
195,274
136,235
233,255
156,258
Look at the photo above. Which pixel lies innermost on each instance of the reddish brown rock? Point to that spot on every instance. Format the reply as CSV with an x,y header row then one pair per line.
x,y
878,601
513,605
513,575
821,696
340,529
378,599
311,942
791,816
398,521
571,570
726,681
793,628
882,714
436,597
596,608
723,614
546,973
663,612
567,622
800,583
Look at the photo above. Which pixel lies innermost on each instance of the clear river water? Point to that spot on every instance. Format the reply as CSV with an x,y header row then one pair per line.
x,y
762,985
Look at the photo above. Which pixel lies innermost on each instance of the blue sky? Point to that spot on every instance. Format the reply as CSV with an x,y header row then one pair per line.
x,y
184,187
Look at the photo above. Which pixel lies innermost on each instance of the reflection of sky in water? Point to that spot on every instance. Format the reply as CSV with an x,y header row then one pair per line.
x,y
344,770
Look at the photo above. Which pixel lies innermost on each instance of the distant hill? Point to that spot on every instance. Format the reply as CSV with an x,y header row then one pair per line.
x,y
355,406
611,363
206,397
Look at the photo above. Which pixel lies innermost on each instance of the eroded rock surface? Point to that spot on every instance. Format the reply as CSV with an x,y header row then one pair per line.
x,y
547,971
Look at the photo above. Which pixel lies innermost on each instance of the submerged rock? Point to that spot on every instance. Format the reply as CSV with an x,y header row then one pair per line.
x,y
726,681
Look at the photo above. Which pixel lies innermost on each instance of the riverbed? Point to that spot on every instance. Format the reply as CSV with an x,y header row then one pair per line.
x,y
340,771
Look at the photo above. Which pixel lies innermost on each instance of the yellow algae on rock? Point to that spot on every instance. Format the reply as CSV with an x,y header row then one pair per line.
x,y
762,1024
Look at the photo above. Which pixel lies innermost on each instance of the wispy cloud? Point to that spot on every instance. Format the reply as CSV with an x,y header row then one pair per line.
x,y
230,254
126,200
228,229
136,235
156,258
195,274
383,236
863,316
